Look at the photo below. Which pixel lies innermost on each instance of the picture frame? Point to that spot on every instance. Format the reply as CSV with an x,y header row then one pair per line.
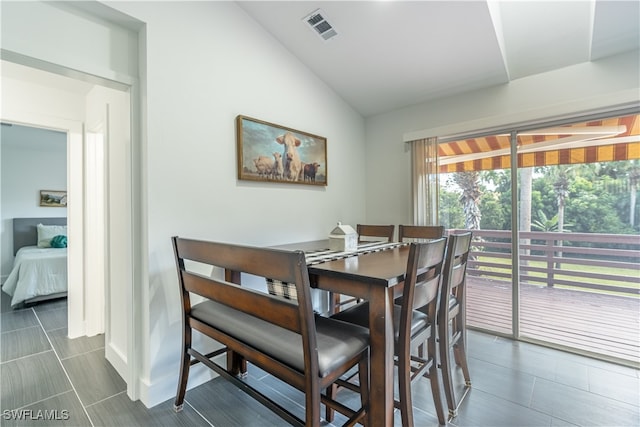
x,y
53,198
268,152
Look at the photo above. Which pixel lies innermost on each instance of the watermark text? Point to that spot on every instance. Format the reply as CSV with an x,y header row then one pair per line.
x,y
35,415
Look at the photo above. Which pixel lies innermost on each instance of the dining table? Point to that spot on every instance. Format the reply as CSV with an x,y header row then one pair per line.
x,y
374,275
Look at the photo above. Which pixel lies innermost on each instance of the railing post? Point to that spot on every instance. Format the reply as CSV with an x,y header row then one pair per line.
x,y
550,261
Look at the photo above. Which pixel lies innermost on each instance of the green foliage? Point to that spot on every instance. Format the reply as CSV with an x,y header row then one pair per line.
x,y
596,198
450,213
496,215
543,223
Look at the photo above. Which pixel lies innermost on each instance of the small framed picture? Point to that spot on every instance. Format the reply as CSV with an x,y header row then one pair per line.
x,y
273,153
53,198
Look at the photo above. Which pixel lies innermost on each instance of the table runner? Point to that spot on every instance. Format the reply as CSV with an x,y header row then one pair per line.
x,y
288,290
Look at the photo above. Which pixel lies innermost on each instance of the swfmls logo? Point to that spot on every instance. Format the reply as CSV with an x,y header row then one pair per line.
x,y
41,415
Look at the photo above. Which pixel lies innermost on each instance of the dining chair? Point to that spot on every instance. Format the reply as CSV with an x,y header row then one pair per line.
x,y
382,233
414,324
281,336
418,233
452,331
413,232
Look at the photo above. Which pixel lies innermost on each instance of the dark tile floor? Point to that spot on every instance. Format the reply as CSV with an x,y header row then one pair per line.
x,y
514,384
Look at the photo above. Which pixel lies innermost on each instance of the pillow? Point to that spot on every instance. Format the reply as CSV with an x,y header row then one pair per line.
x,y
48,232
59,241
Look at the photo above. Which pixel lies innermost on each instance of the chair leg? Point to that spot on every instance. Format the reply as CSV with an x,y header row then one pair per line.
x,y
460,347
363,377
331,394
184,370
312,410
404,387
435,383
460,354
445,369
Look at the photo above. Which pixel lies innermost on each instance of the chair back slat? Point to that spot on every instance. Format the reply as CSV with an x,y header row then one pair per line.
x,y
426,291
246,300
420,232
457,275
384,232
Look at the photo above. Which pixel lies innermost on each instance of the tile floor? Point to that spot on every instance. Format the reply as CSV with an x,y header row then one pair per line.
x,y
514,384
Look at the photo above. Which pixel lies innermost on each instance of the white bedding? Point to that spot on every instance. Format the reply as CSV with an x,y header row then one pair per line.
x,y
37,272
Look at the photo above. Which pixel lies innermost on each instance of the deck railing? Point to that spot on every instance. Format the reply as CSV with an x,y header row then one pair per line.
x,y
578,291
608,263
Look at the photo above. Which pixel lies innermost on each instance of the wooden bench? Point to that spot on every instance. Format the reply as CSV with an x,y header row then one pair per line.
x,y
282,337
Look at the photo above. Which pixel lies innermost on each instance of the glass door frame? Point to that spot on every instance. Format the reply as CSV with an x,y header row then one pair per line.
x,y
514,131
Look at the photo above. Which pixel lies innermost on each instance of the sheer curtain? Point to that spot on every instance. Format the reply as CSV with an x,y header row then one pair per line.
x,y
424,172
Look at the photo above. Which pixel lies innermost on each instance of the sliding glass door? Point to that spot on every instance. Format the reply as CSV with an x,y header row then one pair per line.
x,y
571,277
475,194
579,275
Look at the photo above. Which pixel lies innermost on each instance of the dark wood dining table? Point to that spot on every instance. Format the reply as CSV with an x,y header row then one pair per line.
x,y
375,277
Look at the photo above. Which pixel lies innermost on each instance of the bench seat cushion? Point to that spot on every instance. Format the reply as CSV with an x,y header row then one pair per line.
x,y
337,341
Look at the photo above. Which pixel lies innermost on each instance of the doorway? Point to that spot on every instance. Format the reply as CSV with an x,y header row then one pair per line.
x,y
99,189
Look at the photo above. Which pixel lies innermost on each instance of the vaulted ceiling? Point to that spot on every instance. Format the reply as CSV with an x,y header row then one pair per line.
x,y
391,54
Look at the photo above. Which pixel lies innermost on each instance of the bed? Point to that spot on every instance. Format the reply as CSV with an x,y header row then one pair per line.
x,y
39,273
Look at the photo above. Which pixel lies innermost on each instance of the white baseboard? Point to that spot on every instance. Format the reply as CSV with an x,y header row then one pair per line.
x,y
76,329
117,360
163,389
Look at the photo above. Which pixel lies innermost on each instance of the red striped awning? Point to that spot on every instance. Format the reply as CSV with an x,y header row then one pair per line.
x,y
588,142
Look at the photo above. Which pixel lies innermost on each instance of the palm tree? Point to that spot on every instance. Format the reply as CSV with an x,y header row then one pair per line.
x,y
562,175
469,183
526,182
561,180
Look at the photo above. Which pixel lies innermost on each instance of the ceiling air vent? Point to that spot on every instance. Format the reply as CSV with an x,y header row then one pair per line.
x,y
317,21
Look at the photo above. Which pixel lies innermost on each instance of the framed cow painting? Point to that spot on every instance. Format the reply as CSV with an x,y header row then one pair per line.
x,y
273,153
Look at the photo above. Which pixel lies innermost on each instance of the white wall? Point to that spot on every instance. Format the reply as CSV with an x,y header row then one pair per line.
x,y
207,63
32,160
203,63
587,87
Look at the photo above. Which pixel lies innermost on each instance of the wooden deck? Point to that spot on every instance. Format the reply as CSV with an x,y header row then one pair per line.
x,y
604,324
